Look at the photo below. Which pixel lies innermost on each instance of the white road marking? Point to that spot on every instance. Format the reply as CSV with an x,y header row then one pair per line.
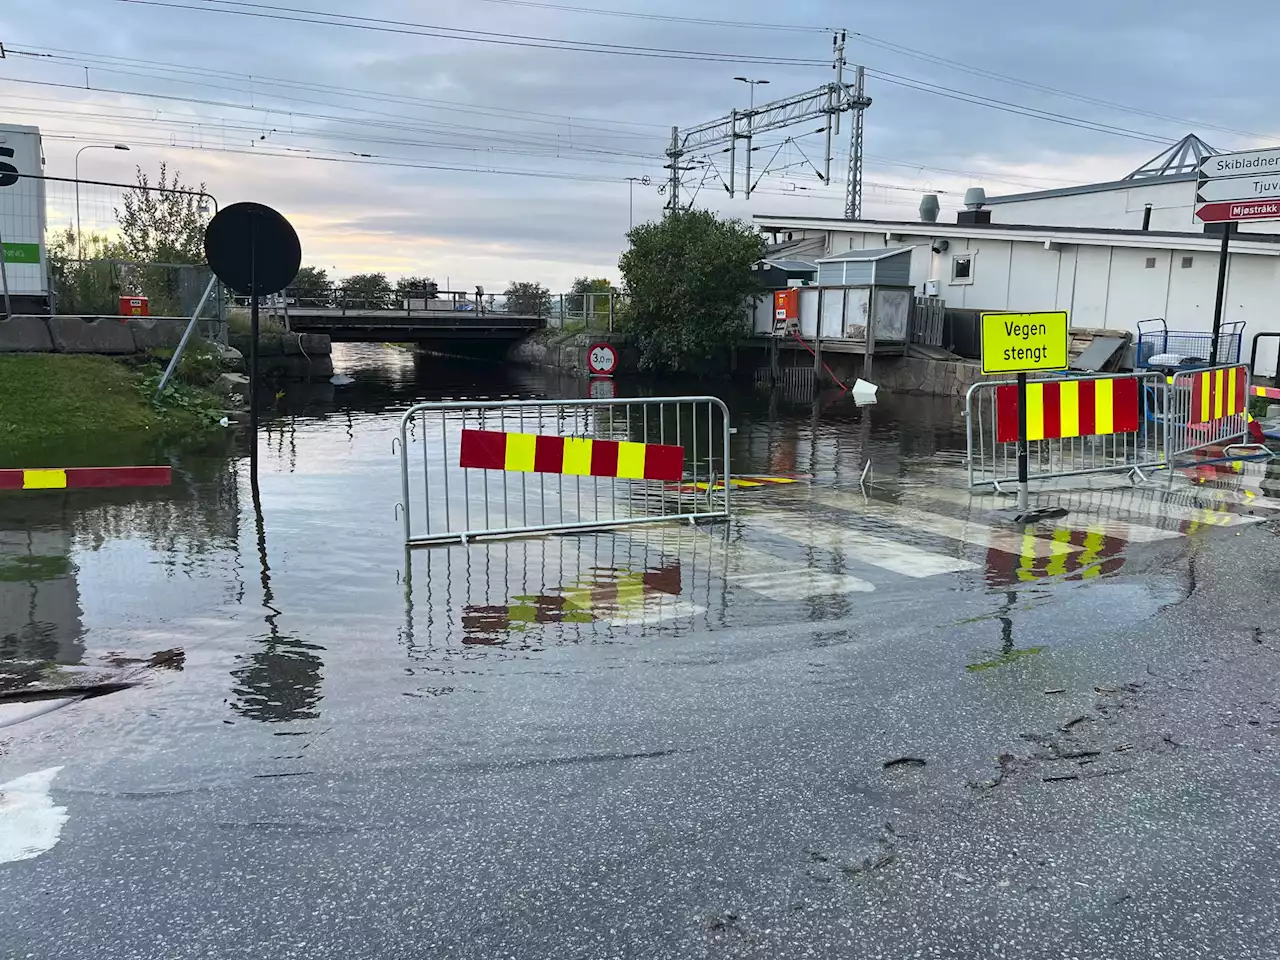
x,y
1080,520
654,610
758,571
801,584
878,552
952,528
30,823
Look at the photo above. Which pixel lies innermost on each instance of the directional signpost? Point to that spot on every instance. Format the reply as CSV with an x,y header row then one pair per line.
x,y
1235,187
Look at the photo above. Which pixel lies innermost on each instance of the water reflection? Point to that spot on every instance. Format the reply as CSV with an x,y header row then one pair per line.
x,y
40,616
524,595
281,681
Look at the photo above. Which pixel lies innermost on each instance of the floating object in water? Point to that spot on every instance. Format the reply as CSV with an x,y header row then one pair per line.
x,y
341,379
224,422
863,392
30,823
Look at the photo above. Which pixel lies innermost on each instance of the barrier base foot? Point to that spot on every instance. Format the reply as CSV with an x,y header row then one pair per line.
x,y
1032,515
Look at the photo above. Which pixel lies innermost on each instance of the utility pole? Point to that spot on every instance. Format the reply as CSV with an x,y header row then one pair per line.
x,y
673,185
853,189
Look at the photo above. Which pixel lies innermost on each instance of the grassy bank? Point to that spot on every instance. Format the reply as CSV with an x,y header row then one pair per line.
x,y
51,402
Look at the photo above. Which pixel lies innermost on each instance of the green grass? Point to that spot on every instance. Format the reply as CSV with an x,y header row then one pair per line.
x,y
55,402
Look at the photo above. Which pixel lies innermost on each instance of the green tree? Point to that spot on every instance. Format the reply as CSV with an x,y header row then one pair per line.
x,y
530,299
312,287
85,280
164,223
160,225
368,291
416,288
689,280
577,304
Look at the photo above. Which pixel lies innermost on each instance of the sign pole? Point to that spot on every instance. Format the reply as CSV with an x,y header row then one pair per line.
x,y
253,354
1024,496
1223,257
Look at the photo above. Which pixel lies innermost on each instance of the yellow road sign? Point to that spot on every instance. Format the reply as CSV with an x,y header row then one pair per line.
x,y
1023,342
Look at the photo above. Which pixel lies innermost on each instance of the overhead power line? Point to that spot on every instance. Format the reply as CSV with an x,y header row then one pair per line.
x,y
666,17
1040,87
105,63
409,28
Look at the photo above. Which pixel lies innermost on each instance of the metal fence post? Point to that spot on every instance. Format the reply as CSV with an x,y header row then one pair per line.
x,y
4,278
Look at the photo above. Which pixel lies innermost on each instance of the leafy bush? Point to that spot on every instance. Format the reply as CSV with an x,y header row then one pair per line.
x,y
689,279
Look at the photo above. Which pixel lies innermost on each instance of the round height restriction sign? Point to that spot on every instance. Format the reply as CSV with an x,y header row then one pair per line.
x,y
602,360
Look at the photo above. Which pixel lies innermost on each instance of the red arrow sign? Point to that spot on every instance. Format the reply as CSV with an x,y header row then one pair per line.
x,y
1230,210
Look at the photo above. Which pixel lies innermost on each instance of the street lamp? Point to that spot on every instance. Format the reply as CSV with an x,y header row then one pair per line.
x,y
752,84
92,146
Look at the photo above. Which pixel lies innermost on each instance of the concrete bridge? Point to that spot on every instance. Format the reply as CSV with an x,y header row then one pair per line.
x,y
432,316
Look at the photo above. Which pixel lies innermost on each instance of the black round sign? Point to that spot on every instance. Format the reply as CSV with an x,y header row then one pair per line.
x,y
253,249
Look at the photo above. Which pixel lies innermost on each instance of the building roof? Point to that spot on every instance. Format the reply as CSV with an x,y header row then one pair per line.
x,y
862,256
1264,243
1173,165
1183,157
791,266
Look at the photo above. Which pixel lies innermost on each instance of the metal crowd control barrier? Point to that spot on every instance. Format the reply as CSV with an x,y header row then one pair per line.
x,y
1083,425
1206,408
511,467
1075,426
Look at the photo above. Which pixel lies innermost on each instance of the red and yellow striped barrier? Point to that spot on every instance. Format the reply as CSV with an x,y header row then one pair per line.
x,y
1070,408
1271,393
1217,394
573,456
84,478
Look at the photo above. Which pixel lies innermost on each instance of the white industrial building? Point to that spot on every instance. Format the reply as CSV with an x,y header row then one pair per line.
x,y
1080,249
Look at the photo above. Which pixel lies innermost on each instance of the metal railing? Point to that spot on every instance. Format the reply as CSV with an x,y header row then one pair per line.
x,y
994,462
1253,354
443,501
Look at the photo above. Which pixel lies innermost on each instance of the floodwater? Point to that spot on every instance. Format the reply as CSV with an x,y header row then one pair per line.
x,y
610,744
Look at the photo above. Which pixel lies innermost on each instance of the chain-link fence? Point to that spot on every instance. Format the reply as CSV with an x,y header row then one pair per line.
x,y
105,244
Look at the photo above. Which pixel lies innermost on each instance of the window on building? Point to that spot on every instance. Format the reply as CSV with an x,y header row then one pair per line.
x,y
1151,263
962,269
1186,262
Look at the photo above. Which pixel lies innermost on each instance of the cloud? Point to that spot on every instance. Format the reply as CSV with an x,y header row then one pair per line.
x,y
509,108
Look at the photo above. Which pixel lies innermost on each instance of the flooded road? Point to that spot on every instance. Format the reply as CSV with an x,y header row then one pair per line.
x,y
847,723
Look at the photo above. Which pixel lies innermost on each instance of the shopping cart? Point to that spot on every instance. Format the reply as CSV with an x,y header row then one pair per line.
x,y
1160,348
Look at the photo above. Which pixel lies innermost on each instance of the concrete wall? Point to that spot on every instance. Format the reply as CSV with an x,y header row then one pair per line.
x,y
107,335
568,351
304,356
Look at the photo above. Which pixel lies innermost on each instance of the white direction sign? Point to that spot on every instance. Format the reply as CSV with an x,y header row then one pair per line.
x,y
1263,187
1241,164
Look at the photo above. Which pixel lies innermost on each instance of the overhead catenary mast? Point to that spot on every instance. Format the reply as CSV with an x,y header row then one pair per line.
x,y
828,101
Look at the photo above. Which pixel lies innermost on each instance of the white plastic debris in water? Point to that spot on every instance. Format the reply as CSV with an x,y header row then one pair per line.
x,y
30,823
341,379
863,392
224,422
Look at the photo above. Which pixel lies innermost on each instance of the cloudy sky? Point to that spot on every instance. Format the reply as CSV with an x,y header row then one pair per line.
x,y
476,141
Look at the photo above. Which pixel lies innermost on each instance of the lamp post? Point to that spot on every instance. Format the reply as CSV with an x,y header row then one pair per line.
x,y
91,146
751,112
752,84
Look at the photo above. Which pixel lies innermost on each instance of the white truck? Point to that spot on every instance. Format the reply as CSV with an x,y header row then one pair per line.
x,y
22,220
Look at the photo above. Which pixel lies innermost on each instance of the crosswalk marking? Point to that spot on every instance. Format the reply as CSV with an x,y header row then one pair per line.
x,y
800,584
758,571
966,531
876,551
1082,521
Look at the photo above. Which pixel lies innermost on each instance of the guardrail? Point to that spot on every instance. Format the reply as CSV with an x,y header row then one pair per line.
x,y
515,467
